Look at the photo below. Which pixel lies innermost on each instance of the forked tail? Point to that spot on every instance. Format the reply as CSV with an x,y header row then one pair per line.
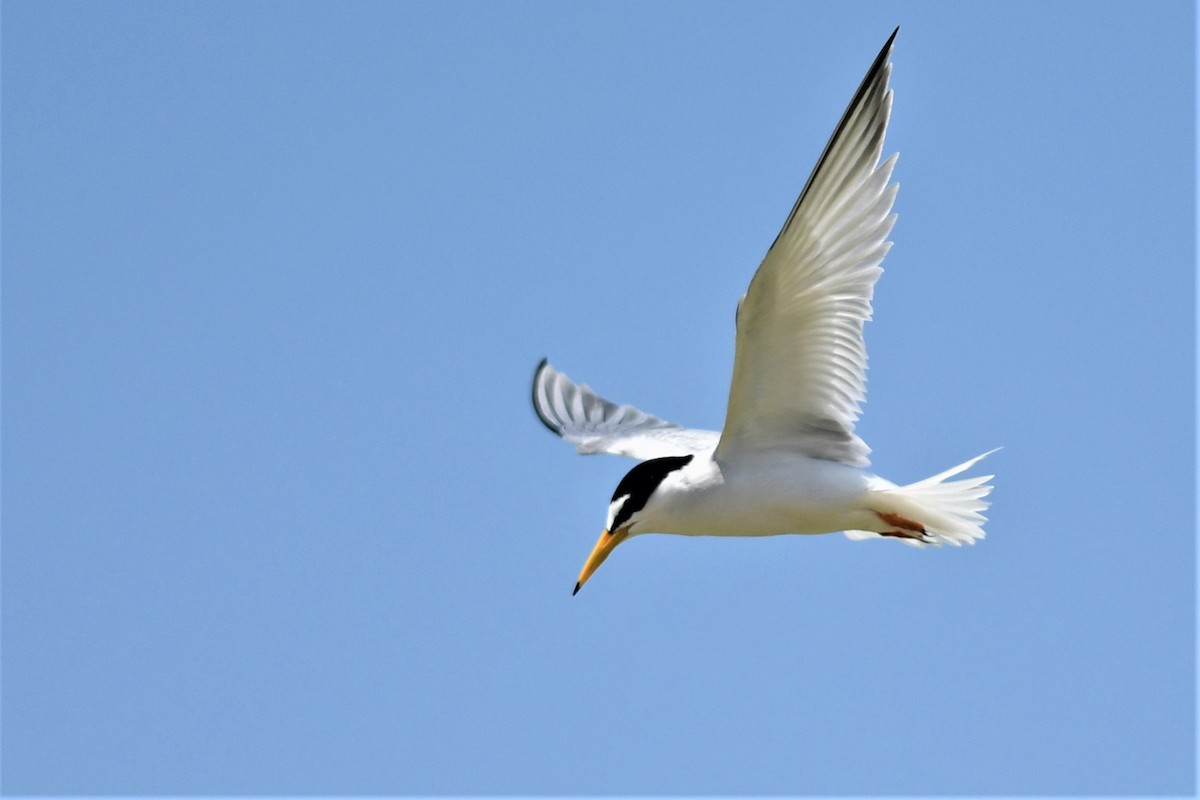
x,y
949,511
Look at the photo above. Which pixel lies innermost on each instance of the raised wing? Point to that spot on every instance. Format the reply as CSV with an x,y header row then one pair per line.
x,y
594,425
799,369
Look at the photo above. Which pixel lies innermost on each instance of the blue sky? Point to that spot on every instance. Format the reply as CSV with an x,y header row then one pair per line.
x,y
277,515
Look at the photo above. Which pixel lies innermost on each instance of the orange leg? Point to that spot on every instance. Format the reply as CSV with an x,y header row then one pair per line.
x,y
908,529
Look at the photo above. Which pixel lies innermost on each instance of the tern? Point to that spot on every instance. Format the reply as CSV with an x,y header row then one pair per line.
x,y
788,460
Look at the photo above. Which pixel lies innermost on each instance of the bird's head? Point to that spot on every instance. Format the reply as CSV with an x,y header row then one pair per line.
x,y
636,494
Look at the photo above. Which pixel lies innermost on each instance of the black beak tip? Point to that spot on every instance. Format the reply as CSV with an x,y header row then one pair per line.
x,y
577,587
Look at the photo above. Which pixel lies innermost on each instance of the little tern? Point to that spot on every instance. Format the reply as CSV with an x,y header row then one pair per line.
x,y
787,460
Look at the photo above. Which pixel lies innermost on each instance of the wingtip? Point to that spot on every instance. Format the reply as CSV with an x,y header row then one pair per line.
x,y
882,60
888,45
885,52
879,72
537,372
542,366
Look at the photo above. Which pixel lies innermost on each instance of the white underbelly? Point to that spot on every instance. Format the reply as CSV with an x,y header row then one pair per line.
x,y
772,496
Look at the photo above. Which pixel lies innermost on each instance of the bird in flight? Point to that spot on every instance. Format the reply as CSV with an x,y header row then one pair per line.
x,y
788,460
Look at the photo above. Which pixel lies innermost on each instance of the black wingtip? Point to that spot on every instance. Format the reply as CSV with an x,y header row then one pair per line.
x,y
887,47
533,396
578,586
878,66
884,52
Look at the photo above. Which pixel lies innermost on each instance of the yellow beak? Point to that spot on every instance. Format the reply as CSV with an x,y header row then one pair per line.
x,y
608,542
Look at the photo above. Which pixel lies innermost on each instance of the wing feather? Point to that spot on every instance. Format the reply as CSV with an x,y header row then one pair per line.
x,y
595,425
799,374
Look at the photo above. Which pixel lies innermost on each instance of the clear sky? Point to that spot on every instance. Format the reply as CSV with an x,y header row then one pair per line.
x,y
277,515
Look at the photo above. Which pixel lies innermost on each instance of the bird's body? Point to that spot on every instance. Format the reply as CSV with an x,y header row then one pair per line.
x,y
787,460
771,493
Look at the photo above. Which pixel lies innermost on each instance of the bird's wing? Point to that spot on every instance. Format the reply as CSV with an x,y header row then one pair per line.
x,y
799,368
594,425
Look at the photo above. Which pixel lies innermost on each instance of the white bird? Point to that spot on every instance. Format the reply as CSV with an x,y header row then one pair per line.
x,y
788,460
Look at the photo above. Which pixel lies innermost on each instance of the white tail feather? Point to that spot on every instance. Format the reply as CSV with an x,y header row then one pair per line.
x,y
949,510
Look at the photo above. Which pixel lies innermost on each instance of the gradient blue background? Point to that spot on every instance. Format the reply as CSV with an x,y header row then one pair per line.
x,y
277,516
